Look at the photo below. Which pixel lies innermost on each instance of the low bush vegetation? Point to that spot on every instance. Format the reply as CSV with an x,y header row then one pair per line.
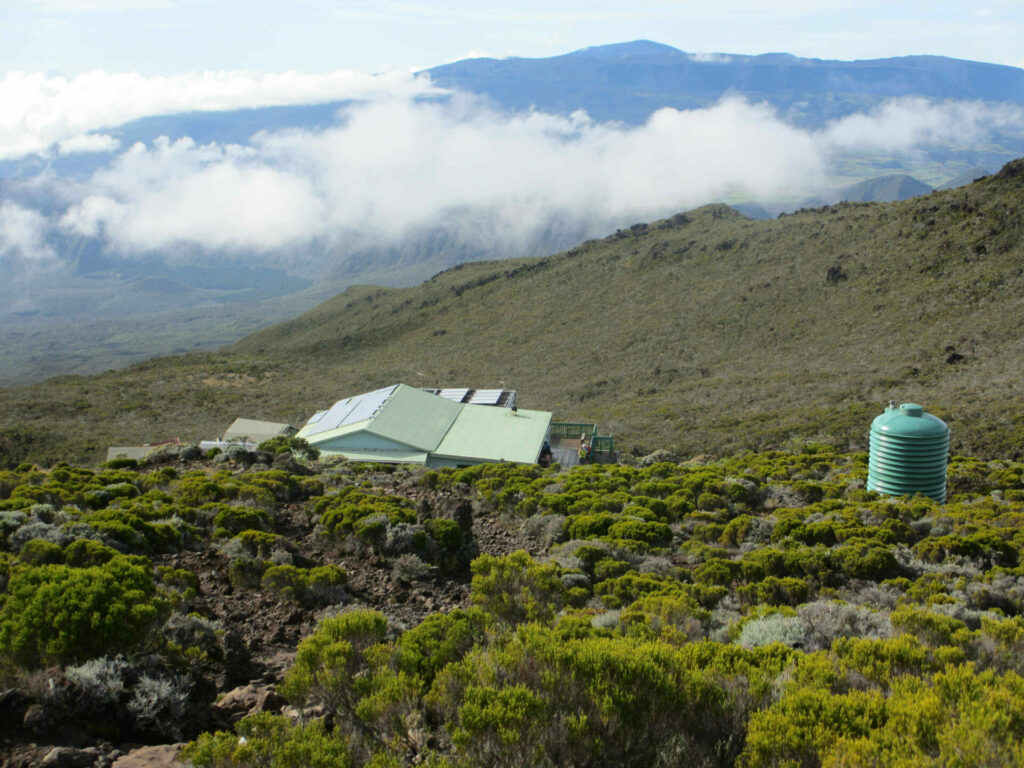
x,y
761,610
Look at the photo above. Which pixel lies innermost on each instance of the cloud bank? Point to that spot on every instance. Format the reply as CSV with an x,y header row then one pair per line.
x,y
393,168
904,125
40,110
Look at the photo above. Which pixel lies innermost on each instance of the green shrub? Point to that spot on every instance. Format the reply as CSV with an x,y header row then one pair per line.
x,y
806,724
863,561
312,586
652,533
40,552
82,553
931,628
330,664
515,589
340,513
234,520
122,464
440,639
59,614
296,445
272,741
775,591
589,526
446,533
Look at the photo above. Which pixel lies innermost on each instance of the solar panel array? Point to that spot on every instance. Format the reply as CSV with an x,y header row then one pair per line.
x,y
456,395
486,397
349,411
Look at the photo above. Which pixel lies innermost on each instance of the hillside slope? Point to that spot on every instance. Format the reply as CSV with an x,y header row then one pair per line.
x,y
706,332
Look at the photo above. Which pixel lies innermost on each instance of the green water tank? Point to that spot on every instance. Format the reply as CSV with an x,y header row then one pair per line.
x,y
909,450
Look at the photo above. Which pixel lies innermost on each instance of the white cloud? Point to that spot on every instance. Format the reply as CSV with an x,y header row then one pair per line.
x,y
23,246
903,125
394,167
710,58
89,142
217,197
399,165
40,110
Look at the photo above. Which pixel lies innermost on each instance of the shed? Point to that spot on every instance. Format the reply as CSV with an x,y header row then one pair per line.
x,y
252,431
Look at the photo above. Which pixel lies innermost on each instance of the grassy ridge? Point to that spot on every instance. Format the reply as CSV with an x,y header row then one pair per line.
x,y
706,332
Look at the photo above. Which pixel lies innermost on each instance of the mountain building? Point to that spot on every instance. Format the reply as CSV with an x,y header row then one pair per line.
x,y
253,431
438,428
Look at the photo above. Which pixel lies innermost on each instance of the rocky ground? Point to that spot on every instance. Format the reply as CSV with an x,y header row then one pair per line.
x,y
261,630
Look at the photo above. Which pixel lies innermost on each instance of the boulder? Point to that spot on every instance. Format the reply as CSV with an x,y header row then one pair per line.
x,y
248,700
69,757
162,756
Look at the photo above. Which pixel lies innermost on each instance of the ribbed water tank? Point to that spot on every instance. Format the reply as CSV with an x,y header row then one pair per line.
x,y
909,450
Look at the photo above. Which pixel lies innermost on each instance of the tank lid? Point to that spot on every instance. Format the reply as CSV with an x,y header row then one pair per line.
x,y
909,420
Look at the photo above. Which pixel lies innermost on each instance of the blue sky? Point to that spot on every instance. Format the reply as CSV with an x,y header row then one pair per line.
x,y
166,37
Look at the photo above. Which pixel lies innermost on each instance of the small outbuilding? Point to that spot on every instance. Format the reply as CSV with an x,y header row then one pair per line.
x,y
406,425
252,431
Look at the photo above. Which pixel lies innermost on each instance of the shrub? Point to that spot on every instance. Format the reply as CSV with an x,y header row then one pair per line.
x,y
38,530
58,614
776,591
339,514
330,664
272,741
515,588
82,553
866,562
122,463
589,526
313,586
158,704
804,725
930,627
408,568
232,520
651,533
40,552
296,445
447,534
439,640
195,635
100,682
775,628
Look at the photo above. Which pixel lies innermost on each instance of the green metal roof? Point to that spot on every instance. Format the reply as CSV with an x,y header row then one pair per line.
x,y
418,423
486,433
415,418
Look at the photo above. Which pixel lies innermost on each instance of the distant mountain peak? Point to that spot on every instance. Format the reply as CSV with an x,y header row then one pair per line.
x,y
632,49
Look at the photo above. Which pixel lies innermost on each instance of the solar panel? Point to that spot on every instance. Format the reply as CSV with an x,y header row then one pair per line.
x,y
456,395
350,410
486,397
367,405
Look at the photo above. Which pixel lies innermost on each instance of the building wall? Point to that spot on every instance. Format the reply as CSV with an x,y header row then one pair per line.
x,y
436,462
359,441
